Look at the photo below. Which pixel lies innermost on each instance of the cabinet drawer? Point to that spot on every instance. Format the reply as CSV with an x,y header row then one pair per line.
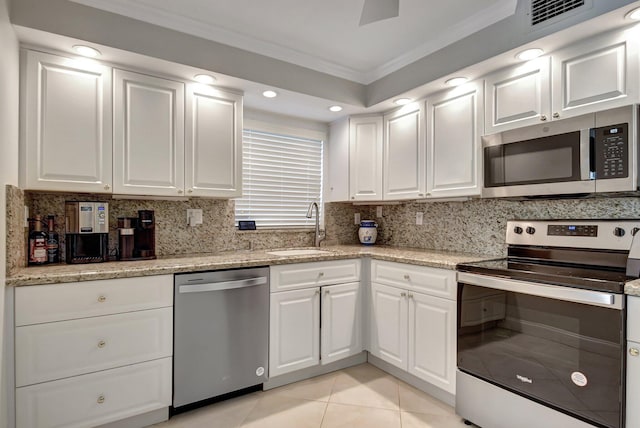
x,y
304,275
58,302
57,350
633,318
436,282
97,398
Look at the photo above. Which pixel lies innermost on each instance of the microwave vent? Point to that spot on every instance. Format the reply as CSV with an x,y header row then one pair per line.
x,y
544,10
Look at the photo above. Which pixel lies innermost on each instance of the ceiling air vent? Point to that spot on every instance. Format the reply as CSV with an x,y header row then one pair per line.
x,y
544,10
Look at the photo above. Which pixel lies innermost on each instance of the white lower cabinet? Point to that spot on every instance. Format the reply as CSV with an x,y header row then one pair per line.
x,y
297,339
411,330
294,340
633,361
97,398
97,352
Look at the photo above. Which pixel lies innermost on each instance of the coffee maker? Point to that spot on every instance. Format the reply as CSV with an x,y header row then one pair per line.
x,y
137,236
87,232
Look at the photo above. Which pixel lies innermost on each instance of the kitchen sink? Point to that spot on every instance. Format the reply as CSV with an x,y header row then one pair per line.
x,y
301,252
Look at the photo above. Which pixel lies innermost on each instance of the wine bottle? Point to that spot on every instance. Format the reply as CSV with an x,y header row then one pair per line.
x,y
37,244
53,241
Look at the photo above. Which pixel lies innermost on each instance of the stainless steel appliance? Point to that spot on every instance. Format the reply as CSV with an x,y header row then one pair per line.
x,y
221,334
541,333
87,232
592,153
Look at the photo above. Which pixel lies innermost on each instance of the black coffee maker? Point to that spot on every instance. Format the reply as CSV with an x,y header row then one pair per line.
x,y
137,236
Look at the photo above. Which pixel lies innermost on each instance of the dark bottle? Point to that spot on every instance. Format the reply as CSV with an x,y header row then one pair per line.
x,y
37,244
53,241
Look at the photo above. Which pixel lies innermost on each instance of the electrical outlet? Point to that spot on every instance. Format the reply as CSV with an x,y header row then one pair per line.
x,y
419,218
26,216
194,217
356,218
379,211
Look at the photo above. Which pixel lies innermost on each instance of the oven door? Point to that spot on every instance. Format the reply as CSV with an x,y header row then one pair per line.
x,y
562,347
546,165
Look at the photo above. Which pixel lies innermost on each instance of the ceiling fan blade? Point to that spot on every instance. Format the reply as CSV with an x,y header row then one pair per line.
x,y
377,10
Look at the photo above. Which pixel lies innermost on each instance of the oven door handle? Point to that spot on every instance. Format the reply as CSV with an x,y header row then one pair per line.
x,y
596,298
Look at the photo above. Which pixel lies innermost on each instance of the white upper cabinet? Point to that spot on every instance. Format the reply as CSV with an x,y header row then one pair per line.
x,y
517,96
148,135
65,125
595,75
404,153
213,164
365,158
454,127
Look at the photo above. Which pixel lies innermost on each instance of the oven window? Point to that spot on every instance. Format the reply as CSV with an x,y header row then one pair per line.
x,y
566,355
542,160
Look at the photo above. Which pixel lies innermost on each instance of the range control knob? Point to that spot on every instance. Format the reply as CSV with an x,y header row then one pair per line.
x,y
531,230
635,230
517,230
618,231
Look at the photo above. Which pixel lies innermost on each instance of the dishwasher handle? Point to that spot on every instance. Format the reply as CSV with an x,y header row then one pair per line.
x,y
223,285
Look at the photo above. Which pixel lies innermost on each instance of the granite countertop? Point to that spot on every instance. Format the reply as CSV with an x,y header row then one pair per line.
x,y
232,259
632,288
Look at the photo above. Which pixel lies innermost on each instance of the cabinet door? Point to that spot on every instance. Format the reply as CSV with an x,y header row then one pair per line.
x,y
454,124
294,330
633,384
432,337
341,322
518,96
66,125
594,75
148,135
389,324
404,153
365,158
213,142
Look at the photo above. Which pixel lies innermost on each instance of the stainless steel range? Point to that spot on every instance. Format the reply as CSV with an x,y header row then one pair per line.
x,y
541,334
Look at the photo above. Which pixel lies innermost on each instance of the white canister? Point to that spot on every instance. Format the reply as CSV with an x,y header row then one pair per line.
x,y
368,232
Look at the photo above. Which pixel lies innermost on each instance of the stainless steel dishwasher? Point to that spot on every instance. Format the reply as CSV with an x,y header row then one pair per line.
x,y
221,334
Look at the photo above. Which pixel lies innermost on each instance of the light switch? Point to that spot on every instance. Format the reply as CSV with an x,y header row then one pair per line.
x,y
356,218
419,218
379,211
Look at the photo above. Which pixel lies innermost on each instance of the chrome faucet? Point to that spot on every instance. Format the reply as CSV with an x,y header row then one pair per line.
x,y
309,214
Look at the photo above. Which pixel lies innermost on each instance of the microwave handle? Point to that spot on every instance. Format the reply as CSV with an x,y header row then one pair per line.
x,y
585,155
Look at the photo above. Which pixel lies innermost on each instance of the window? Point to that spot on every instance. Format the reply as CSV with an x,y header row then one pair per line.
x,y
281,176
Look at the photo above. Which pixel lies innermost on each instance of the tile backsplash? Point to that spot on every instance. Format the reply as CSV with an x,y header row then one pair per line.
x,y
473,226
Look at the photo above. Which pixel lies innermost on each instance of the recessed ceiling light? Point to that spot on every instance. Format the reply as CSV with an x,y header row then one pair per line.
x,y
529,54
86,51
402,101
456,81
634,14
335,109
270,94
207,79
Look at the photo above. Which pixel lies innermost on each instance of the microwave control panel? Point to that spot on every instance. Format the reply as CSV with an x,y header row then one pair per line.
x,y
611,147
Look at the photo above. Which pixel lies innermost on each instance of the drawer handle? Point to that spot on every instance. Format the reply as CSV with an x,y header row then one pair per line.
x,y
634,352
320,274
101,399
407,277
102,299
102,344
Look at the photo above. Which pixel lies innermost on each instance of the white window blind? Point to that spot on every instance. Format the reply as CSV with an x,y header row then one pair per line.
x,y
281,176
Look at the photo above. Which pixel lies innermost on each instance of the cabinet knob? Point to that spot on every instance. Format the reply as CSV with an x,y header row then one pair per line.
x,y
100,399
320,274
102,299
543,118
407,277
353,197
421,194
556,115
411,295
327,292
634,352
403,294
317,292
180,191
107,187
190,191
102,344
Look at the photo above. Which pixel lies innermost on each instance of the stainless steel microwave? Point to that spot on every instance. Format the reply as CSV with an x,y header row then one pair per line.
x,y
592,153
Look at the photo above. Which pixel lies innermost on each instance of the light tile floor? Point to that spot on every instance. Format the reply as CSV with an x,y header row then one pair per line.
x,y
360,396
